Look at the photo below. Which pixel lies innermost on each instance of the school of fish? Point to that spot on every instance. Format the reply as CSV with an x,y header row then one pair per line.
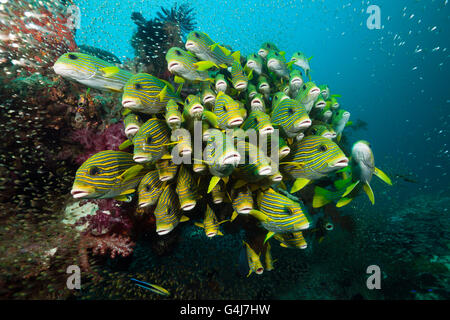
x,y
262,93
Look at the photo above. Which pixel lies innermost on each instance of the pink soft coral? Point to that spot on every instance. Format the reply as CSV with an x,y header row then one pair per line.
x,y
93,141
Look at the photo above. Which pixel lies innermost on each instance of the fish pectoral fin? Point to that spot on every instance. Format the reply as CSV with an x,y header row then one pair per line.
x,y
128,192
259,215
234,216
130,173
219,233
299,184
125,144
269,235
162,94
369,192
321,197
184,219
178,79
211,118
125,198
236,56
283,245
200,225
339,137
214,181
109,71
383,176
290,140
343,202
350,188
205,65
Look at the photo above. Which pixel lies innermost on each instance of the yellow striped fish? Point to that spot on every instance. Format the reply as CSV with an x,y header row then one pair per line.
x,y
131,124
291,116
258,103
173,115
218,192
220,83
185,66
242,200
291,240
147,94
256,165
227,112
259,121
254,263
167,170
150,142
278,213
149,189
312,158
239,79
307,95
200,44
107,174
220,154
210,223
186,189
91,71
167,212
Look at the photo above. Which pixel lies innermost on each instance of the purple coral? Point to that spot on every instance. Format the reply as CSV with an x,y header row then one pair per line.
x,y
92,141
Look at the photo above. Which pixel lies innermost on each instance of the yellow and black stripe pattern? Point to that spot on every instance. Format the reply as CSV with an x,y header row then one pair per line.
x,y
288,114
167,212
242,200
226,109
186,188
149,189
151,140
285,214
101,171
291,240
315,156
238,76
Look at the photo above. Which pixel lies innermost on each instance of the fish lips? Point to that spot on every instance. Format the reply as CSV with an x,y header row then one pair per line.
x,y
241,86
235,122
141,158
174,120
78,193
188,206
340,163
163,231
232,158
302,125
209,99
128,102
131,130
265,171
274,64
196,110
174,66
266,130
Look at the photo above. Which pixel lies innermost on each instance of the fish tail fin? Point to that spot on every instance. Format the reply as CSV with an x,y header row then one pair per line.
x,y
343,202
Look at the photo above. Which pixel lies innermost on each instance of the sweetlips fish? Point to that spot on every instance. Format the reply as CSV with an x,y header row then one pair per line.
x,y
185,66
149,189
258,103
183,144
277,98
277,64
167,170
361,169
263,85
339,121
256,166
167,212
302,61
91,71
208,96
291,240
308,95
259,121
173,115
334,104
320,102
226,113
200,44
239,79
218,192
279,214
242,200
312,158
321,129
221,156
325,91
323,114
220,83
131,124
291,117
251,91
249,261
210,223
147,94
150,142
193,108
255,63
107,174
266,47
186,189
295,82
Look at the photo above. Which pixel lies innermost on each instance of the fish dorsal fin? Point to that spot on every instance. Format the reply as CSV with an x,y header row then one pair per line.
x,y
383,176
205,65
184,219
224,50
168,84
162,94
237,56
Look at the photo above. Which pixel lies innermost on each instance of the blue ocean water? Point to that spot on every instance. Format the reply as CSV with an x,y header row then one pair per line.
x,y
394,78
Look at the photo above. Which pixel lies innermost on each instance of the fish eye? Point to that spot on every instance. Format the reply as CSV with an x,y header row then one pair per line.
x,y
148,187
323,148
138,86
313,131
304,87
196,35
94,171
268,46
72,57
177,52
256,120
291,111
148,140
